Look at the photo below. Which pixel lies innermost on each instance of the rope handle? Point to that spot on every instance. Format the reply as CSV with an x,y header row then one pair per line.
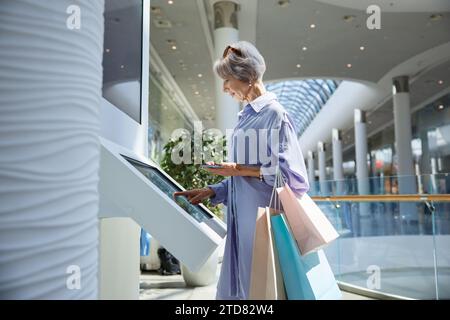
x,y
278,182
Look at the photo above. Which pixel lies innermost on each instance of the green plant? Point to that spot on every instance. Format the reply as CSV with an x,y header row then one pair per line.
x,y
190,175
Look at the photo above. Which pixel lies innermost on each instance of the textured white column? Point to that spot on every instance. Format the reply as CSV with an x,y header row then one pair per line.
x,y
311,172
50,88
225,33
403,134
338,170
324,190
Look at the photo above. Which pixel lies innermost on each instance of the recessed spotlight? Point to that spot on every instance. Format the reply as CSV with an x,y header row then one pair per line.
x,y
348,18
312,26
362,48
283,3
170,2
349,65
196,92
440,82
304,48
298,65
155,9
174,47
435,17
107,50
122,66
199,75
441,106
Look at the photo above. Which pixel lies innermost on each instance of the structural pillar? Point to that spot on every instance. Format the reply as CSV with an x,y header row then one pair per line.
x,y
403,136
362,175
311,173
338,170
50,90
225,33
324,188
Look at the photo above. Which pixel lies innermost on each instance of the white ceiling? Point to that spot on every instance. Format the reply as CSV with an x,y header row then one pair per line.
x,y
394,6
281,32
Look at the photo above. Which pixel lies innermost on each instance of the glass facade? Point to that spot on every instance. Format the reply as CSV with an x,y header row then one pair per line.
x,y
303,99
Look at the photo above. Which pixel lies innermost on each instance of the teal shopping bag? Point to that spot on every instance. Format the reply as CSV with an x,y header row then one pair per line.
x,y
306,277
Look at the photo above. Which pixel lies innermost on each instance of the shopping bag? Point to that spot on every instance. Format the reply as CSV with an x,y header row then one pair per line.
x,y
266,281
310,227
305,277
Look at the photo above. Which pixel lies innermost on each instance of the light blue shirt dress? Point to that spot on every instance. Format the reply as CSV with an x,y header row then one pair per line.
x,y
243,195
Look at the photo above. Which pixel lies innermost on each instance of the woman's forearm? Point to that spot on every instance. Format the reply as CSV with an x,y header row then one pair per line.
x,y
248,171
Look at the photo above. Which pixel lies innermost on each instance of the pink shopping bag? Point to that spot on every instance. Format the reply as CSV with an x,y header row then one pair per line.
x,y
266,281
310,227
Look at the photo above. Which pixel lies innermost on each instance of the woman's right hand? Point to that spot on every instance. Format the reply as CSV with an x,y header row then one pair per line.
x,y
195,196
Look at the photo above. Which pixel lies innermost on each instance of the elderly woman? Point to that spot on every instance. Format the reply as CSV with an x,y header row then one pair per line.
x,y
251,174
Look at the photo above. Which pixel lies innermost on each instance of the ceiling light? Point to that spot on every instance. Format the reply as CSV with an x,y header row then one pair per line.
x,y
435,17
440,82
107,50
304,48
170,2
298,65
312,26
349,65
348,18
122,66
362,48
283,3
155,9
441,106
199,75
196,92
174,47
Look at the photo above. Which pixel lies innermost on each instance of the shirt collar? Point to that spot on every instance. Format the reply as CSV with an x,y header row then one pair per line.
x,y
262,101
259,103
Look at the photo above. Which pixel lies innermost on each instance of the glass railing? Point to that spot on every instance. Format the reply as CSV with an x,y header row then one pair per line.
x,y
391,245
423,184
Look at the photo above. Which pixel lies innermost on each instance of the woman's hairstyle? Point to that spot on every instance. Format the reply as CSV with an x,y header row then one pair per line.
x,y
242,61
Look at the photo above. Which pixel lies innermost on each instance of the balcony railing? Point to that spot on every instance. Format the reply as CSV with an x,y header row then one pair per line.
x,y
391,245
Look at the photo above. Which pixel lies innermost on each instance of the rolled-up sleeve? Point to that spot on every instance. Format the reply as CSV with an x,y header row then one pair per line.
x,y
289,159
221,192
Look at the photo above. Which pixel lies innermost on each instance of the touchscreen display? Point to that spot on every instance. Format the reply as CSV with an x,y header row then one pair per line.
x,y
168,187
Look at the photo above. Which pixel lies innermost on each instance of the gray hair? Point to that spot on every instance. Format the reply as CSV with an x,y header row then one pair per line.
x,y
243,62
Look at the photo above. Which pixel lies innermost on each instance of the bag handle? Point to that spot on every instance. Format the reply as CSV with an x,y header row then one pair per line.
x,y
278,182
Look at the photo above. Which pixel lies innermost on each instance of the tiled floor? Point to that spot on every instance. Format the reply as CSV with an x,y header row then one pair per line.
x,y
157,287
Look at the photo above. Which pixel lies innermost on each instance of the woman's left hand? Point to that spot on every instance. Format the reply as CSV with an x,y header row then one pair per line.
x,y
233,169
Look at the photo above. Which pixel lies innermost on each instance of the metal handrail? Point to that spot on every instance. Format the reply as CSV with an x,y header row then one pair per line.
x,y
386,198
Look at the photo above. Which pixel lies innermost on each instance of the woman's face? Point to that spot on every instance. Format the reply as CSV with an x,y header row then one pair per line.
x,y
235,88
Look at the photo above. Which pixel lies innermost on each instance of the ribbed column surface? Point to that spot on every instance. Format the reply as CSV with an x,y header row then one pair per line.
x,y
50,89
